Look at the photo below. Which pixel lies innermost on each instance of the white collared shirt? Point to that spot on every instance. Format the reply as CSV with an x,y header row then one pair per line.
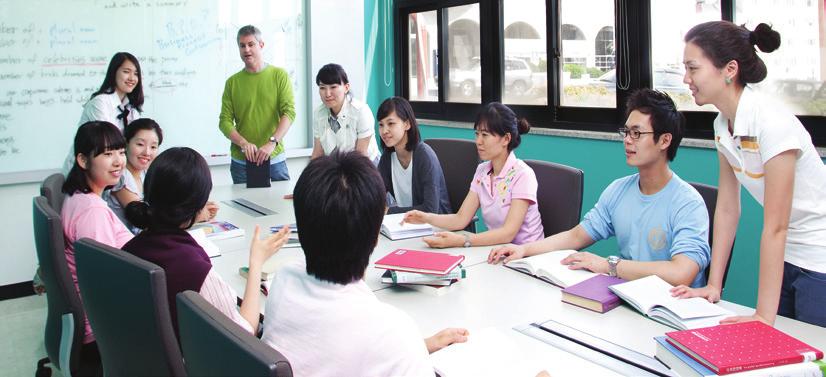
x,y
356,121
763,130
328,329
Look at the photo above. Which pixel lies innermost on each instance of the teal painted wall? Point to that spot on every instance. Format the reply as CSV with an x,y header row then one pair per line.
x,y
378,51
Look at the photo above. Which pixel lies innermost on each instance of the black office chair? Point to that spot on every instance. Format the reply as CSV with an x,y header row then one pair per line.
x,y
64,318
52,189
559,195
125,299
459,160
214,345
709,194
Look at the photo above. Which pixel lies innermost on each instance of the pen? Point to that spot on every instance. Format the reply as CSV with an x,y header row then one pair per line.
x,y
264,289
218,155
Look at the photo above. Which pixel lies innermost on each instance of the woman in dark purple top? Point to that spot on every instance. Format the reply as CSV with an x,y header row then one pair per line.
x,y
176,189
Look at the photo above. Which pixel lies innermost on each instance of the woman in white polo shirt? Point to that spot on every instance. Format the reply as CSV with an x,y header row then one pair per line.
x,y
341,122
764,148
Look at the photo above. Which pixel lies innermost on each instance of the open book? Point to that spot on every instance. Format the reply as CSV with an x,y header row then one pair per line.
x,y
547,267
651,295
392,228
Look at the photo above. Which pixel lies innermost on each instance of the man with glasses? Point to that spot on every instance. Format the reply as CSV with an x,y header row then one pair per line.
x,y
660,221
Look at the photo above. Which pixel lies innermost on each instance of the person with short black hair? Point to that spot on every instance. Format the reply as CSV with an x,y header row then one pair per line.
x,y
659,220
177,188
504,187
763,147
341,123
410,170
257,109
320,314
98,165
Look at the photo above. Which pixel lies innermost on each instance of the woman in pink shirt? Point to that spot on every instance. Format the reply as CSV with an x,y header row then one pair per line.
x,y
99,161
503,186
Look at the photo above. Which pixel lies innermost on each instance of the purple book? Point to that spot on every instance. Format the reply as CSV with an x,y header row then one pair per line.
x,y
593,293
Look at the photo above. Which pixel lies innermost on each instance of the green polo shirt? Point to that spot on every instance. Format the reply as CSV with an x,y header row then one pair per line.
x,y
253,104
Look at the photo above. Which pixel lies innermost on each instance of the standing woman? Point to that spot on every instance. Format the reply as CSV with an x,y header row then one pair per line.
x,y
119,99
410,169
341,122
764,148
98,165
143,138
503,186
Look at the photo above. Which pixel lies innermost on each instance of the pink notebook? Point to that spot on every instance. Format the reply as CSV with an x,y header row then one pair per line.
x,y
426,262
742,346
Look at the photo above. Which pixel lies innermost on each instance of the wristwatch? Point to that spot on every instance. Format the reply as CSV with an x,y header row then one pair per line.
x,y
613,261
274,140
467,240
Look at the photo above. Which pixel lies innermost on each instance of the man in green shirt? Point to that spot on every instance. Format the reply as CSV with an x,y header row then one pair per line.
x,y
257,109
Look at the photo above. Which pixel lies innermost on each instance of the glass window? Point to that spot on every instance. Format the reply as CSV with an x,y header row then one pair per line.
x,y
670,20
423,68
463,51
796,70
587,77
525,61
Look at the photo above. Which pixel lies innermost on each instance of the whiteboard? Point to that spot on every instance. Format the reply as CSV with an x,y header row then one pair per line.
x,y
54,55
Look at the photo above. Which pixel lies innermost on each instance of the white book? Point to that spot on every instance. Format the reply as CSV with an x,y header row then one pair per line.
x,y
205,243
651,295
393,229
548,267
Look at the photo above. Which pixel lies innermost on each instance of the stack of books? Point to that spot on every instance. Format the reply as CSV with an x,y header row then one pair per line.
x,y
424,271
747,349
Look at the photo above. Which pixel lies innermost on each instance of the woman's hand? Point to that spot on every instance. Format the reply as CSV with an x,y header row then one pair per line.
x,y
208,212
416,217
263,249
709,292
441,240
445,338
506,254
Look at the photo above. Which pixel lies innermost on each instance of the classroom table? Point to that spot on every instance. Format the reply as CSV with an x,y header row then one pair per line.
x,y
491,295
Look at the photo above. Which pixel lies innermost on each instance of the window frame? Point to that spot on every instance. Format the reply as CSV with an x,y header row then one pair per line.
x,y
636,27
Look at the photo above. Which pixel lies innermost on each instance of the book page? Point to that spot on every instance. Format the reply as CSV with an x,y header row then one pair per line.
x,y
644,293
487,352
392,224
549,266
209,247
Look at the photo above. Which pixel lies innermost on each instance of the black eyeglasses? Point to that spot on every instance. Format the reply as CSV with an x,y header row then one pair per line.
x,y
635,133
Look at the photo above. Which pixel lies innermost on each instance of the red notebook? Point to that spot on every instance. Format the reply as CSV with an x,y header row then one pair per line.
x,y
742,346
425,262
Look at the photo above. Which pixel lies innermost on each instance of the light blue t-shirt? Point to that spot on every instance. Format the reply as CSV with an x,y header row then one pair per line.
x,y
653,227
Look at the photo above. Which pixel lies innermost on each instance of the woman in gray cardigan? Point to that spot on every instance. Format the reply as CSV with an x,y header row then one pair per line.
x,y
410,169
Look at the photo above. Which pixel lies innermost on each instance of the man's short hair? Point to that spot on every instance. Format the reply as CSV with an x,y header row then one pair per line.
x,y
665,118
339,203
248,30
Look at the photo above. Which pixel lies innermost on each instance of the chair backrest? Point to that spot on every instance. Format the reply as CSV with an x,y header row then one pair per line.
x,y
64,319
709,194
125,299
214,345
52,189
459,160
559,195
